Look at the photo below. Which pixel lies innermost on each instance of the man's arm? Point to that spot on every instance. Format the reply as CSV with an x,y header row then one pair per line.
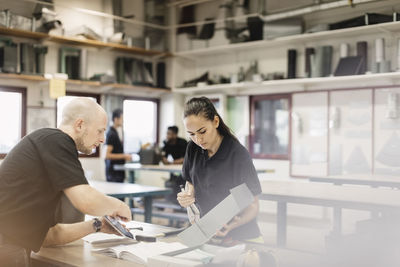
x,y
61,234
116,156
178,161
90,201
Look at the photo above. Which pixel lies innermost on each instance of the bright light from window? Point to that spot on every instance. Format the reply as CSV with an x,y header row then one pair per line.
x,y
10,118
140,124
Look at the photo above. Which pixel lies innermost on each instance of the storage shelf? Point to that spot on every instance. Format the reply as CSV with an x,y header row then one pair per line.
x,y
389,28
77,41
93,86
297,85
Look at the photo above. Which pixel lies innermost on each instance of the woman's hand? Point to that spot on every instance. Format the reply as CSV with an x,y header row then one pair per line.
x,y
186,198
228,227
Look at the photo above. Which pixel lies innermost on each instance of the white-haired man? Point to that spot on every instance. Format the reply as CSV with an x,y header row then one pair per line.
x,y
43,166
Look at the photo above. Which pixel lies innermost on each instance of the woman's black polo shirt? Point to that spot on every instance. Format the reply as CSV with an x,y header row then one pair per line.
x,y
213,177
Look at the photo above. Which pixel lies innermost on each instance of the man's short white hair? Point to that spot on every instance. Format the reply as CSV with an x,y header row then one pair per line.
x,y
79,108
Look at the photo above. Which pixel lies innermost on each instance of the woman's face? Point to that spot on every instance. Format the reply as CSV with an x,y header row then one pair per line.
x,y
203,132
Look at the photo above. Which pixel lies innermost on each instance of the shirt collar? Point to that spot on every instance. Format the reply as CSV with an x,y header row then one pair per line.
x,y
222,151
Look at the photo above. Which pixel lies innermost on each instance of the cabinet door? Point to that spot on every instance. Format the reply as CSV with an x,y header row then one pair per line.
x,y
309,134
350,132
387,132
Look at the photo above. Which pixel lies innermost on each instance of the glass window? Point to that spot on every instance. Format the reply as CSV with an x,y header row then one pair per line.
x,y
270,126
12,117
140,123
64,100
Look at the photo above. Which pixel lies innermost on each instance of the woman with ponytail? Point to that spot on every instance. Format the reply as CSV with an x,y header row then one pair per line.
x,y
216,162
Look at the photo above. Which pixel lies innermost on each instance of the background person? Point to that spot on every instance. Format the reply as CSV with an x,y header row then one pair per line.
x,y
115,149
174,146
43,166
216,162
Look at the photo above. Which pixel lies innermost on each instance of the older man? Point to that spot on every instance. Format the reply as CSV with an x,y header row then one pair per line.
x,y
42,166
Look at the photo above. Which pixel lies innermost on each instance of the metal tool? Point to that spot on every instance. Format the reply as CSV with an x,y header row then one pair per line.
x,y
192,210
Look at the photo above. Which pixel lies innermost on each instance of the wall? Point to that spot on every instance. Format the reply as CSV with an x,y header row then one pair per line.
x,y
38,92
273,59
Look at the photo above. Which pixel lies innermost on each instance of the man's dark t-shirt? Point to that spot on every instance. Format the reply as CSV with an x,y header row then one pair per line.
x,y
176,150
113,140
213,177
32,178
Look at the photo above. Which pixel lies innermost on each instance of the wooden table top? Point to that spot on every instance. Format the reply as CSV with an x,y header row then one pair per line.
x,y
79,252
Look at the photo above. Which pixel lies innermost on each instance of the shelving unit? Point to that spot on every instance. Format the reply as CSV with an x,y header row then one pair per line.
x,y
93,86
296,85
299,39
77,41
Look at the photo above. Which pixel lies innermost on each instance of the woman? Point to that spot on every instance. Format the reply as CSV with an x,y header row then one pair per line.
x,y
214,163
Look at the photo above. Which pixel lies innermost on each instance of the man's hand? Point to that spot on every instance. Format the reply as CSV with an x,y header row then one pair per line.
x,y
123,212
128,157
108,229
186,198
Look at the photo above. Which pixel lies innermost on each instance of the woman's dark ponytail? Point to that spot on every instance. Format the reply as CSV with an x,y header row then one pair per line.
x,y
204,107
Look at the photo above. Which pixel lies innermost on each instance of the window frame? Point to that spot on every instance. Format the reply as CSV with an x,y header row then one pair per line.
x,y
82,94
22,91
157,102
253,100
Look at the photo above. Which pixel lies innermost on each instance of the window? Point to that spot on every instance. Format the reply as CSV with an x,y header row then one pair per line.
x,y
12,117
140,123
64,100
269,136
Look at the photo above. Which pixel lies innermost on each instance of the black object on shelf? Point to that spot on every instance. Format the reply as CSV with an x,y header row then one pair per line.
x,y
134,71
27,58
362,51
40,52
187,16
255,26
32,58
308,54
161,75
349,66
70,62
367,19
8,56
207,30
193,82
292,61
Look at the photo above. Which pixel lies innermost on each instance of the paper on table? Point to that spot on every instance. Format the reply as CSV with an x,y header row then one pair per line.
x,y
101,238
140,252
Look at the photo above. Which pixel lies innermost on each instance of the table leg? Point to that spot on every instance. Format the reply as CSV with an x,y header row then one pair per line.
x,y
148,206
281,224
131,174
337,221
132,181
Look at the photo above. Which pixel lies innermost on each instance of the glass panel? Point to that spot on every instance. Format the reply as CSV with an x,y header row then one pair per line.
x,y
10,117
271,127
139,129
